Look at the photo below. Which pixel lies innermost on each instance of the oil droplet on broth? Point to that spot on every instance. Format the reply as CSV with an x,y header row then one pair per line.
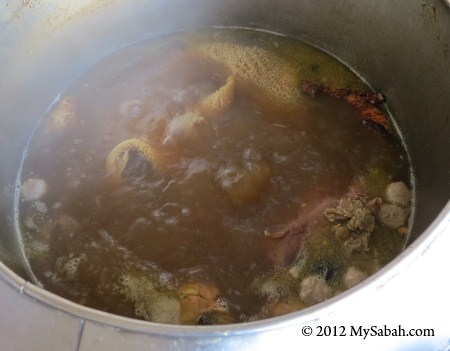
x,y
185,179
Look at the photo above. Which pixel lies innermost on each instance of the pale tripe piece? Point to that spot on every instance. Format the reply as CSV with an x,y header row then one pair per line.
x,y
183,128
272,77
219,101
63,116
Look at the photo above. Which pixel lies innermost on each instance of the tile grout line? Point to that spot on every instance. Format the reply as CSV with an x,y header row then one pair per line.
x,y
80,334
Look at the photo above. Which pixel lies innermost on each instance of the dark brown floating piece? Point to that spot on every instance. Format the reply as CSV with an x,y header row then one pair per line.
x,y
205,319
363,101
137,166
283,243
311,88
278,231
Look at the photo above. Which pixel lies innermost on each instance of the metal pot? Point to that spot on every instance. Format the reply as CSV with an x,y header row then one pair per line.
x,y
401,48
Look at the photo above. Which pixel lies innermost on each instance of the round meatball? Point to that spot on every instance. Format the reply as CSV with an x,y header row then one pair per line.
x,y
392,216
314,289
398,194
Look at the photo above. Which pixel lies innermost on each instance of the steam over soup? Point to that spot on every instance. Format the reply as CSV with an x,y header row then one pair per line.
x,y
212,177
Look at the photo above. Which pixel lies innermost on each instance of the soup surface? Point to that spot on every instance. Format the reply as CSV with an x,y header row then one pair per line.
x,y
210,177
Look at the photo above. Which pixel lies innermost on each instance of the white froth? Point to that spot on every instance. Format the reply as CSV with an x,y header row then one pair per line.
x,y
150,304
33,189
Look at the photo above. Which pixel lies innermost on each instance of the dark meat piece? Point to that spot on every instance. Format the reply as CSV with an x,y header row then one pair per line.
x,y
205,319
364,102
137,166
214,318
284,243
130,158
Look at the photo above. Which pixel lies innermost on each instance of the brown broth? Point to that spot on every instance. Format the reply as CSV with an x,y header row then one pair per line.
x,y
176,224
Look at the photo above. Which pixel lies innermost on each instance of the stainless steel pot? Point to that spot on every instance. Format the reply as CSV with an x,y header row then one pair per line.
x,y
402,48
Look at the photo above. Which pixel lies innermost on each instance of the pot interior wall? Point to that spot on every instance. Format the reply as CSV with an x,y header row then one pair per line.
x,y
401,48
